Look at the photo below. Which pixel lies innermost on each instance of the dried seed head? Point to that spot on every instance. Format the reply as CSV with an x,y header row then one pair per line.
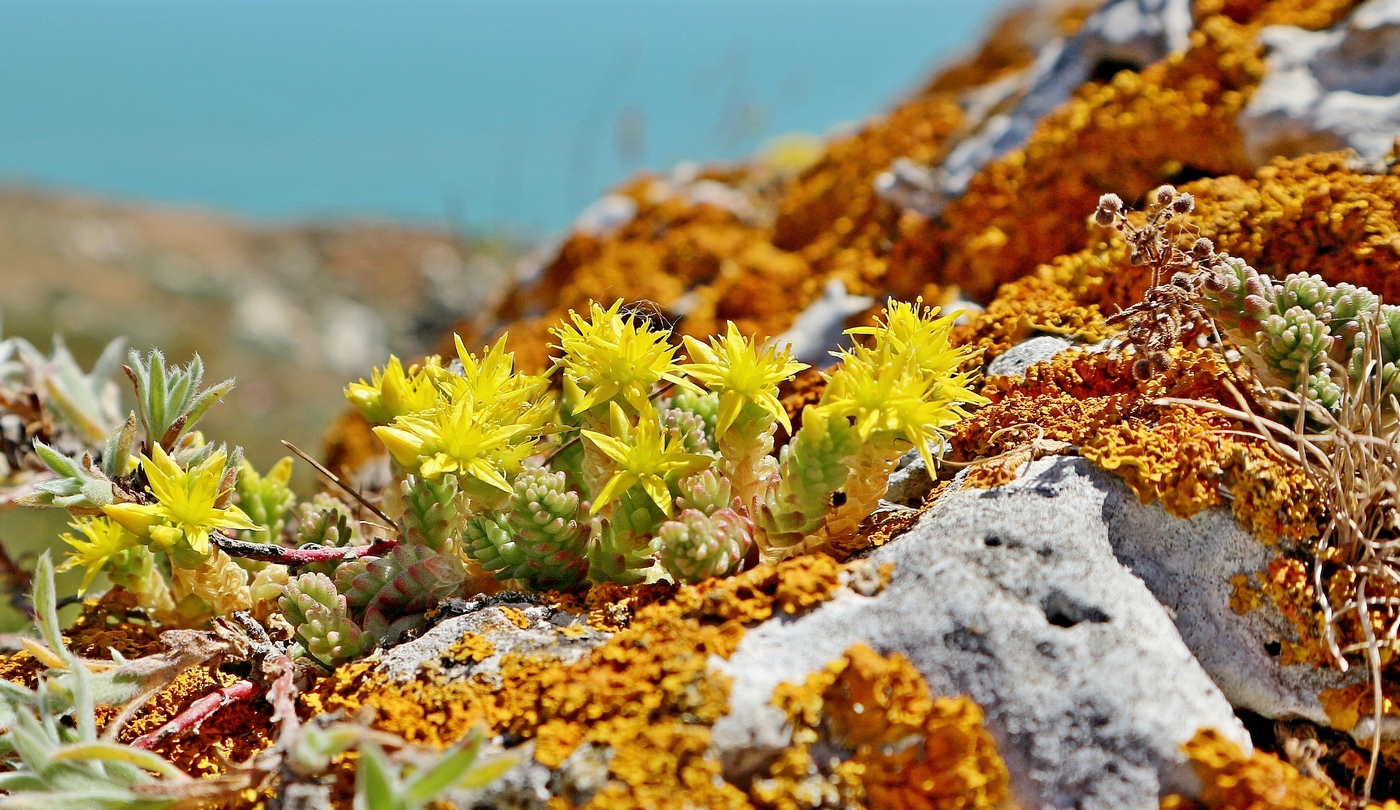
x,y
1203,249
1161,362
1109,208
1165,195
1215,282
1142,370
1183,203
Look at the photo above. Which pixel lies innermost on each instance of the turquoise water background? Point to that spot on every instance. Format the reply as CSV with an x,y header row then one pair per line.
x,y
499,114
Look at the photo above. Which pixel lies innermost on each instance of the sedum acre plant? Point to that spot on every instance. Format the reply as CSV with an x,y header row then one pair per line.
x,y
627,461
646,465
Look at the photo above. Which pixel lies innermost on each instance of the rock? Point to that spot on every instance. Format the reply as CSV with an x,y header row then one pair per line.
x,y
1014,361
1329,90
910,481
1014,597
1123,34
820,328
487,619
606,216
1188,565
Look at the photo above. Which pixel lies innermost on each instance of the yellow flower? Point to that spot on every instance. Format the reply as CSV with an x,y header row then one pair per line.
x,y
459,438
914,331
396,391
104,542
497,391
894,400
734,368
608,356
905,386
643,457
186,509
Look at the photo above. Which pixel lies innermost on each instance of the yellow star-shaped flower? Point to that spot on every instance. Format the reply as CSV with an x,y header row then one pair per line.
x,y
186,509
734,368
608,356
396,391
101,543
643,457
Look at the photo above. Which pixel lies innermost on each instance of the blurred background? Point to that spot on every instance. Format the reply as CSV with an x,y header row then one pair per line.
x,y
295,188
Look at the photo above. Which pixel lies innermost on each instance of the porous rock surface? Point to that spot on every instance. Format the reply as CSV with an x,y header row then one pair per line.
x,y
1188,565
530,629
1014,597
1328,90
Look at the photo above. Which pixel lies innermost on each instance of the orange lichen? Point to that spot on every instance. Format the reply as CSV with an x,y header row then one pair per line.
x,y
517,617
1125,135
906,749
1318,213
1180,455
234,733
471,648
1244,595
648,692
1232,781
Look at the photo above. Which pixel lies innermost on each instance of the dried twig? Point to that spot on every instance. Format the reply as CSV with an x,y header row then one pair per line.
x,y
268,552
198,712
335,479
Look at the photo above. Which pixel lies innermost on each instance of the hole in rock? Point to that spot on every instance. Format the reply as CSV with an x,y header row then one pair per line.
x,y
1062,610
1108,67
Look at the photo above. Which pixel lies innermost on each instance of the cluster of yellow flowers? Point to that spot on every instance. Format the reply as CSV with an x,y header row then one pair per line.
x,y
483,421
479,423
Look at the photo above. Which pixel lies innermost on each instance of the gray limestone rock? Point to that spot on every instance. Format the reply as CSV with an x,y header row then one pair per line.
x,y
541,636
1014,361
910,481
1188,565
820,328
1327,90
1014,597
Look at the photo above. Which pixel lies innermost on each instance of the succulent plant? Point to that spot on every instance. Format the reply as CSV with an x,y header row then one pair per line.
x,y
169,400
325,521
1302,333
266,499
54,756
696,546
321,619
405,582
382,785
540,539
811,469
706,491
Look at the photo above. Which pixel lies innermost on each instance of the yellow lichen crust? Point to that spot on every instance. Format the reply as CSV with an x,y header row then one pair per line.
x,y
648,693
902,748
1232,781
1183,456
1126,135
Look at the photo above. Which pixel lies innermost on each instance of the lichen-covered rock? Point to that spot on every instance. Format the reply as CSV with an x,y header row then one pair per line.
x,y
1210,572
1015,361
1013,597
1120,35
